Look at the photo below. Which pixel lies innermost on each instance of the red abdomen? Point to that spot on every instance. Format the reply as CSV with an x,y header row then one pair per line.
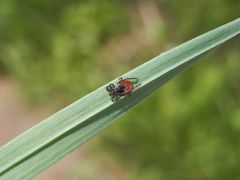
x,y
128,86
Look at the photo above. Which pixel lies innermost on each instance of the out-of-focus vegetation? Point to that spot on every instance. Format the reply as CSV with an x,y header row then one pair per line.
x,y
60,50
48,45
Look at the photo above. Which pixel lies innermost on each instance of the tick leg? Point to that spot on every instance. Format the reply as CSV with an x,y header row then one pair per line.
x,y
120,80
110,87
134,80
115,98
137,85
121,95
111,93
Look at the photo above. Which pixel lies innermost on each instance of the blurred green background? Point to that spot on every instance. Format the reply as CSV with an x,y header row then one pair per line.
x,y
58,51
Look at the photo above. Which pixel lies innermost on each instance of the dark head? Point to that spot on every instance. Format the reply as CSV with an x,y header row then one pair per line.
x,y
119,89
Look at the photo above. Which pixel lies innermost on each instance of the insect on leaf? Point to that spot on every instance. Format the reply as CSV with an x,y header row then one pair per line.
x,y
49,141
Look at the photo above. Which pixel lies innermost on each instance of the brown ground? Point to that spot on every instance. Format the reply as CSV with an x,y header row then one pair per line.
x,y
15,117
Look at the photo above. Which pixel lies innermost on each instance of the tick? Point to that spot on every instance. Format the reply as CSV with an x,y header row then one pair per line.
x,y
123,87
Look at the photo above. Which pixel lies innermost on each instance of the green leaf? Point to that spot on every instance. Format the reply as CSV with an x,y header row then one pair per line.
x,y
44,144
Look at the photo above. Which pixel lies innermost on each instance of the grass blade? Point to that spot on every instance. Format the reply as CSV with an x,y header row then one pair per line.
x,y
41,146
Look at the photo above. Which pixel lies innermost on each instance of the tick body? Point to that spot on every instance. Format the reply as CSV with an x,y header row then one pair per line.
x,y
123,87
